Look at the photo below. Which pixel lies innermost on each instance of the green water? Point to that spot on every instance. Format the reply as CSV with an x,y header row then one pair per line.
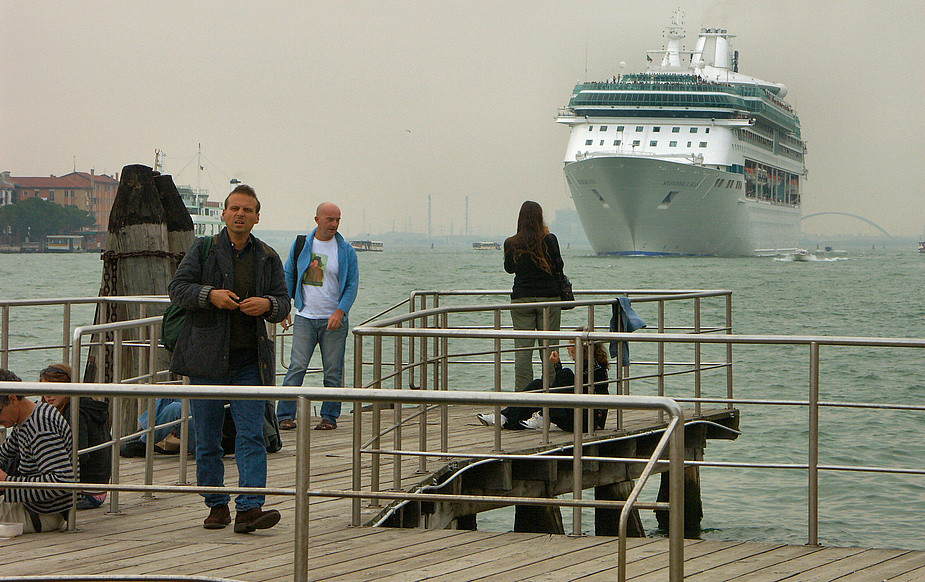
x,y
870,294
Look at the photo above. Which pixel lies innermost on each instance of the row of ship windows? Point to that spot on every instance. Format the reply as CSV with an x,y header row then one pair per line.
x,y
655,129
653,143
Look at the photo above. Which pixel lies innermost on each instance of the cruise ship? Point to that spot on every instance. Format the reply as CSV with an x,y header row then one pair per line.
x,y
690,157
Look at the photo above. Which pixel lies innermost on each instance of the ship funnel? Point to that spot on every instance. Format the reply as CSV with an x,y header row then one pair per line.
x,y
697,57
721,57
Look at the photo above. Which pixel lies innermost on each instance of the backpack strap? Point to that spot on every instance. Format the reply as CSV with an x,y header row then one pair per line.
x,y
299,245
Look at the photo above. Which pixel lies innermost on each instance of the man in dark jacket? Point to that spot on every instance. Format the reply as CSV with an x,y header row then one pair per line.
x,y
229,293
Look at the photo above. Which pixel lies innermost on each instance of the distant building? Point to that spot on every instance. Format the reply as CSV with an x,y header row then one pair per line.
x,y
6,189
90,192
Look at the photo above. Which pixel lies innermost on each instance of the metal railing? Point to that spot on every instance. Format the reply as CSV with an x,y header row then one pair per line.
x,y
429,330
672,443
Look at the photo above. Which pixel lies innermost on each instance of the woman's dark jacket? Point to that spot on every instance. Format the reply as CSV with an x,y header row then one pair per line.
x,y
530,280
95,467
204,342
562,383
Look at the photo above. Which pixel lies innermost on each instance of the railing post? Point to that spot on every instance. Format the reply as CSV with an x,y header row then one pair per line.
x,y
676,502
546,373
444,385
183,459
578,435
661,355
813,512
66,335
497,427
302,482
5,338
422,418
397,416
729,391
697,363
376,421
357,429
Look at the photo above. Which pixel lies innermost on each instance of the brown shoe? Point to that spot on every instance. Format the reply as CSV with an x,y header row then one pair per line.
x,y
288,424
219,517
255,518
325,424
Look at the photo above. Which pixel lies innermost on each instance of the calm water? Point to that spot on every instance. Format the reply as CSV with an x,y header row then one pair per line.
x,y
869,294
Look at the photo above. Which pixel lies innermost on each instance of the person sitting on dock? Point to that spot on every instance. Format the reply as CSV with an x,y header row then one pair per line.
x,y
37,450
95,467
166,440
521,417
230,295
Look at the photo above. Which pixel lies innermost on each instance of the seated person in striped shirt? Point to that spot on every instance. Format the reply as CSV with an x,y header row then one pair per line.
x,y
37,450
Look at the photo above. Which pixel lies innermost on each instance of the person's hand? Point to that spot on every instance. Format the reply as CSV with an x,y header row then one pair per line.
x,y
336,320
287,323
554,358
223,298
255,306
3,475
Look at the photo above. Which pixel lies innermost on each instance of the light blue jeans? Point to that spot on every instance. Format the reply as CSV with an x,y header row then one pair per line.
x,y
167,410
306,334
250,451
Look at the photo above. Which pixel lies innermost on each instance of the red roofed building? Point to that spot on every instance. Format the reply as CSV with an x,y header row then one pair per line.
x,y
91,192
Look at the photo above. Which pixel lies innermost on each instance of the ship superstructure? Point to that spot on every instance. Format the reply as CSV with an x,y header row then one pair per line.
x,y
689,157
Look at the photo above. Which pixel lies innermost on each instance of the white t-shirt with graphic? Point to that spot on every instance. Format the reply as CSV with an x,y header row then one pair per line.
x,y
320,282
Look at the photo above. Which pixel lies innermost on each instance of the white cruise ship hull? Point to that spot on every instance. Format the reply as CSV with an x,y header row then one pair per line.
x,y
648,205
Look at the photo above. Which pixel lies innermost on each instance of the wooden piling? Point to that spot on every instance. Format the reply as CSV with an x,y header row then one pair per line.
x,y
149,228
607,521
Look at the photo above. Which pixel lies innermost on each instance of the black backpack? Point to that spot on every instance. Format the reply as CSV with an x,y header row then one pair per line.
x,y
271,436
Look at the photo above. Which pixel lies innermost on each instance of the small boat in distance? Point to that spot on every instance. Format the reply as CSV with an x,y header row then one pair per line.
x,y
368,245
922,247
486,246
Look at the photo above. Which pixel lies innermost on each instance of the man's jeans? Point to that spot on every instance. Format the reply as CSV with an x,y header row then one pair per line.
x,y
250,449
306,334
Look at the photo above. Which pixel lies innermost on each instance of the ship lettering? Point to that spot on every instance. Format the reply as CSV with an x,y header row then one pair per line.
x,y
680,183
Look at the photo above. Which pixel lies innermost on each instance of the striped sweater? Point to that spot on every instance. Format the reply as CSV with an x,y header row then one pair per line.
x,y
38,451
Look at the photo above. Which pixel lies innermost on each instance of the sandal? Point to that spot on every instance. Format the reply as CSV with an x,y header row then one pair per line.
x,y
325,424
287,424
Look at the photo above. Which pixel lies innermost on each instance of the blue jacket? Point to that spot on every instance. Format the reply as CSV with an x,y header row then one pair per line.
x,y
348,272
624,319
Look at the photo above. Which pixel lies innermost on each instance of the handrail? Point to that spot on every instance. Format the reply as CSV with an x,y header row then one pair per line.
x,y
673,434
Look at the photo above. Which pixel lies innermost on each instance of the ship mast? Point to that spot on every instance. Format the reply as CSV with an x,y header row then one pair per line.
x,y
675,33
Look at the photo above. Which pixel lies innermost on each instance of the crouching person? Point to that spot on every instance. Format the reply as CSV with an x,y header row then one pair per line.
x,y
37,450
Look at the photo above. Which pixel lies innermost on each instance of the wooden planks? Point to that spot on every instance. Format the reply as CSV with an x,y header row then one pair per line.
x,y
165,535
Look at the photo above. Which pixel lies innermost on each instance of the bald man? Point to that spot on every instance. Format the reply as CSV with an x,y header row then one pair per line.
x,y
323,279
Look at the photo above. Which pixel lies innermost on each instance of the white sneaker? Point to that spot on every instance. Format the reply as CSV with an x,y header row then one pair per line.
x,y
534,422
488,419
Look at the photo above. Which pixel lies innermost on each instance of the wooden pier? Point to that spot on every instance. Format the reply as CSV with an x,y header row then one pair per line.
x,y
164,535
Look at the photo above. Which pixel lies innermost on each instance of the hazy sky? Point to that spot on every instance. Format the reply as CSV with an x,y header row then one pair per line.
x,y
374,105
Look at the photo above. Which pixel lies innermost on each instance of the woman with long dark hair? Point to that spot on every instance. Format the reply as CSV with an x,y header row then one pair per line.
x,y
532,255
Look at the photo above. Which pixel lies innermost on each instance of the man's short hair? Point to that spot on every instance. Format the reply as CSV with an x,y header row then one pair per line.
x,y
247,191
7,376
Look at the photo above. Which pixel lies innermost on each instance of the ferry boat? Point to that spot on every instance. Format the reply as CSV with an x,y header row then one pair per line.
x,y
690,157
922,247
368,245
486,246
206,214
